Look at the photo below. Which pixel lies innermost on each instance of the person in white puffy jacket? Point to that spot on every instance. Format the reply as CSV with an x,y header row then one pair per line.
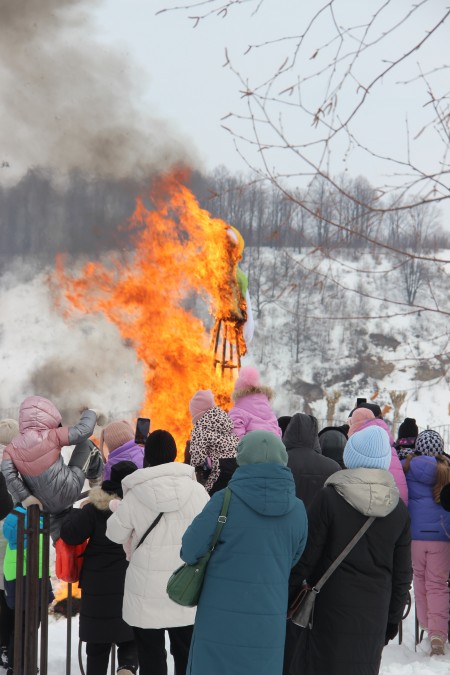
x,y
169,488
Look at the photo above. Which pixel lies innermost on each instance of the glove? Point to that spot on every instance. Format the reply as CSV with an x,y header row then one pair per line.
x,y
114,504
101,418
30,501
391,632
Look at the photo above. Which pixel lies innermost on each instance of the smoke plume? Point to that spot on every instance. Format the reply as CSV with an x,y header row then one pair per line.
x,y
68,100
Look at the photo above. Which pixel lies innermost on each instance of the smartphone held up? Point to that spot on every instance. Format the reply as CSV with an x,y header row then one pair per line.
x,y
142,430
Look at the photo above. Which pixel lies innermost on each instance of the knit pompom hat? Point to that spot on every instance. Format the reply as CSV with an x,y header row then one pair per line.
x,y
8,429
248,377
429,442
119,471
360,416
249,382
201,401
160,448
261,447
115,435
408,428
369,448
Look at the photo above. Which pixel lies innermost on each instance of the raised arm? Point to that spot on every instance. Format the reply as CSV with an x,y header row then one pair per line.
x,y
84,428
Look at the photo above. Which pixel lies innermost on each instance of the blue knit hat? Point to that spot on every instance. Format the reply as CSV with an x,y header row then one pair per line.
x,y
369,448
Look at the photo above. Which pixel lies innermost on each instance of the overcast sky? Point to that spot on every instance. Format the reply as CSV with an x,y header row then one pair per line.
x,y
184,81
105,84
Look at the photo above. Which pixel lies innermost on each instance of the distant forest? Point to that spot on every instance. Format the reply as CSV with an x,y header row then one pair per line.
x,y
42,214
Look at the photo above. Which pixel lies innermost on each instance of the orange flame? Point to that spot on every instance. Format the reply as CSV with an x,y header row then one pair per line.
x,y
180,251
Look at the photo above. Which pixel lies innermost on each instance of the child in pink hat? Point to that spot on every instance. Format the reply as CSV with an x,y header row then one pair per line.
x,y
362,418
358,418
252,410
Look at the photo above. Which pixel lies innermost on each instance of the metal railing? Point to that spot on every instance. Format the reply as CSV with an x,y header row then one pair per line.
x,y
31,599
31,605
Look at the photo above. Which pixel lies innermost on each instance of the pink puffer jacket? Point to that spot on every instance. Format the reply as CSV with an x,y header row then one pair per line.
x,y
32,463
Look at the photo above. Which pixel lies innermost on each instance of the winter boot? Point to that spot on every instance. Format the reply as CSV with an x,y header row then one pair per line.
x,y
437,646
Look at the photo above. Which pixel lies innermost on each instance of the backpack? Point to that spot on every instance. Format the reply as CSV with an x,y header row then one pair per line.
x,y
69,560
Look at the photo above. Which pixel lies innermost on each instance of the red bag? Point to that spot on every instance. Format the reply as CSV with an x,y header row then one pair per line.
x,y
69,560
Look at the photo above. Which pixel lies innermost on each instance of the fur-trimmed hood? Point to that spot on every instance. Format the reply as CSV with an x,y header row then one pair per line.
x,y
247,391
100,499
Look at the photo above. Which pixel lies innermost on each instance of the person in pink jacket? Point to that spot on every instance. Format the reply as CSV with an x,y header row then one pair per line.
x,y
252,410
361,418
33,466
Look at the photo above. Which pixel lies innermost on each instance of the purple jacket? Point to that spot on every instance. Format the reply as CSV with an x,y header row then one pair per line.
x,y
252,413
129,452
395,467
429,521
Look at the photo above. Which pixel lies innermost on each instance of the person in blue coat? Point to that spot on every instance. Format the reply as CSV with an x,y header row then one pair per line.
x,y
241,616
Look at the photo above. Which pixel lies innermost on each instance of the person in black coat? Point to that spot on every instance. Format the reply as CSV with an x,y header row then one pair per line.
x,y
102,578
6,502
309,467
360,606
332,442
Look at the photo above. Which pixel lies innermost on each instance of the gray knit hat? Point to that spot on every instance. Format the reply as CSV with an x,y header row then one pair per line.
x,y
261,447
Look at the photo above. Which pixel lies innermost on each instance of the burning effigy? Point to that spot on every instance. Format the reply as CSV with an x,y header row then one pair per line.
x,y
179,252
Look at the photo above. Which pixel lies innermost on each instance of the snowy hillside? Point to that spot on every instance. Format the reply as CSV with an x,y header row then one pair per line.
x,y
319,343
332,330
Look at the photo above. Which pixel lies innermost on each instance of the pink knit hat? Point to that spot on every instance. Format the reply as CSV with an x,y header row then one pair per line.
x,y
248,377
359,417
115,435
201,401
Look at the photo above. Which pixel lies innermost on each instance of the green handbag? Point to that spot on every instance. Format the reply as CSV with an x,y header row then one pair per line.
x,y
185,584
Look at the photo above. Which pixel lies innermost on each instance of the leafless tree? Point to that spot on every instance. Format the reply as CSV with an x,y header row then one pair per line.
x,y
334,68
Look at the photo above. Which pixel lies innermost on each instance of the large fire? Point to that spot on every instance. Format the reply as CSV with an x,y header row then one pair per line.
x,y
179,250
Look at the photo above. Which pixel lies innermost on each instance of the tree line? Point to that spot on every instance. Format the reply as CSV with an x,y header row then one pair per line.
x,y
42,214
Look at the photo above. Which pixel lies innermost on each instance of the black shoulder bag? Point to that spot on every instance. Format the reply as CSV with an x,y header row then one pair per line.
x,y
147,532
301,611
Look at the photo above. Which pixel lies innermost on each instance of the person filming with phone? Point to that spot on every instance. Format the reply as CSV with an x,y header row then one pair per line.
x,y
120,443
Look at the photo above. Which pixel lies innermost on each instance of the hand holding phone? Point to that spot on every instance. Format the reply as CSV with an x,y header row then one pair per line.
x,y
142,430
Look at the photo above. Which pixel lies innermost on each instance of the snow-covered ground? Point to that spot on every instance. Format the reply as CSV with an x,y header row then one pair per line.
x,y
397,659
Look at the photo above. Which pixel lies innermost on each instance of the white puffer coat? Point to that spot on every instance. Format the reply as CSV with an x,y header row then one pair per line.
x,y
173,490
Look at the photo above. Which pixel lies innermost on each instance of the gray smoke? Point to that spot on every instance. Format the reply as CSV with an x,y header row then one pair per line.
x,y
75,362
68,101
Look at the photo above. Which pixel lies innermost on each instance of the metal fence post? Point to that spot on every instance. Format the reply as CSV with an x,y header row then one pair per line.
x,y
18,610
32,591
